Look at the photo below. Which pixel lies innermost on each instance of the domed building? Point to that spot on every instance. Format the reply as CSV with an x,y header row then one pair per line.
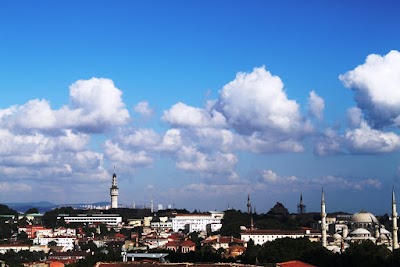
x,y
343,230
363,219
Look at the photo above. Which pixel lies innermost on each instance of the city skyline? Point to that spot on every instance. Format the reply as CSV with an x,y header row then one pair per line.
x,y
201,103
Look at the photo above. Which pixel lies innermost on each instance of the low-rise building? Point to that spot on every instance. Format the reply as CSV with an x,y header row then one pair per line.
x,y
109,219
135,222
34,218
13,247
184,246
66,242
224,242
68,257
31,230
161,224
197,222
260,237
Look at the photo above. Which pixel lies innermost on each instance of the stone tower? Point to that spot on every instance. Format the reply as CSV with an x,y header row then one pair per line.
x,y
114,192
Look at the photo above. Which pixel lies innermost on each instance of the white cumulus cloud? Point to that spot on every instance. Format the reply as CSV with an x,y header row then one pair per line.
x,y
143,108
328,143
257,102
95,106
376,84
316,105
190,159
274,181
364,139
182,115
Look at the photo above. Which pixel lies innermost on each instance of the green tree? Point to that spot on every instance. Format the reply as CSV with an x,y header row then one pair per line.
x,y
250,255
22,236
23,221
32,210
52,243
50,218
232,221
89,246
366,254
194,236
5,210
285,249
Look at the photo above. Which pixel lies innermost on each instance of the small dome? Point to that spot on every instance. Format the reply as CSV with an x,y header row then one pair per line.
x,y
336,250
360,231
384,231
363,217
337,237
383,237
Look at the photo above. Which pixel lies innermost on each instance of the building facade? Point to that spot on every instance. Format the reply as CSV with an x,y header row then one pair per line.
x,y
197,222
109,219
260,237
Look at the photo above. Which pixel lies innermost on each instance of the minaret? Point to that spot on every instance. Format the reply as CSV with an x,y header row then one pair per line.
x,y
323,220
249,212
248,204
301,208
395,241
114,192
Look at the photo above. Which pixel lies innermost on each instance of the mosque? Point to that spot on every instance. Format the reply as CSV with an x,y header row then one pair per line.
x,y
347,229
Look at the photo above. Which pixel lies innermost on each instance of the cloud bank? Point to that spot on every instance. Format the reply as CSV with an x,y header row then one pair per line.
x,y
253,113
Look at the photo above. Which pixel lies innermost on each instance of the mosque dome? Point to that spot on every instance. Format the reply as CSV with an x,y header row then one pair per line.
x,y
360,231
383,237
336,250
363,217
337,237
384,231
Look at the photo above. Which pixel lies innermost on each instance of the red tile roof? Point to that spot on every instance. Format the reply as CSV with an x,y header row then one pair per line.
x,y
187,243
294,264
192,215
279,232
141,264
223,240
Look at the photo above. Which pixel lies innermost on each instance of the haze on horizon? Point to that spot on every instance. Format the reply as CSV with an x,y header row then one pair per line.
x,y
201,103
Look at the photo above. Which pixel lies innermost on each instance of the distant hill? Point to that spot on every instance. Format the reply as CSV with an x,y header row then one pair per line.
x,y
44,206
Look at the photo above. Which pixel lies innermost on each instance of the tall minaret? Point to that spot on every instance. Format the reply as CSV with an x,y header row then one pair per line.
x,y
301,208
395,241
323,221
114,192
248,204
249,212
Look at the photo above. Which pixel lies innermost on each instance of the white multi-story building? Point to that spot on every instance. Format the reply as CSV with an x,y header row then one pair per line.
x,y
197,222
56,232
44,232
109,219
66,242
260,237
161,224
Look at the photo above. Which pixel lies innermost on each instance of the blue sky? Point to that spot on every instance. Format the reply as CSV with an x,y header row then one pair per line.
x,y
199,103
